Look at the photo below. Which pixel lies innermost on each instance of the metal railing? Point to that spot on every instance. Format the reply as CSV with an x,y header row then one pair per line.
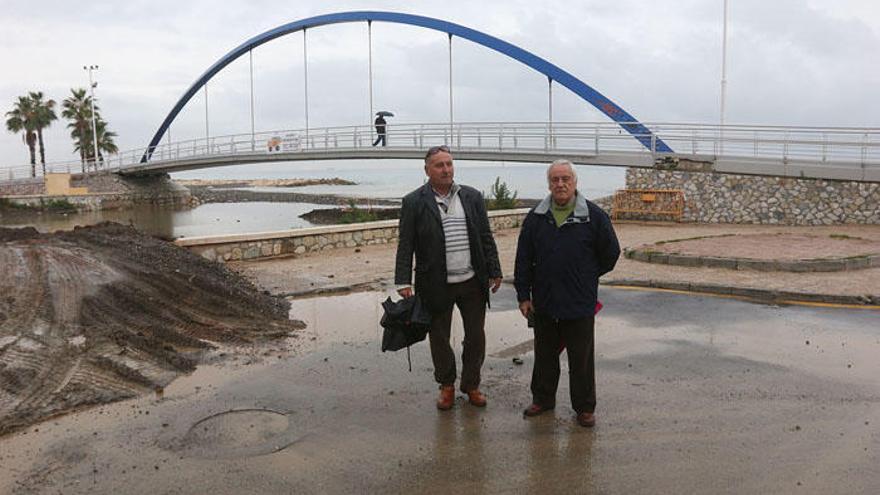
x,y
773,145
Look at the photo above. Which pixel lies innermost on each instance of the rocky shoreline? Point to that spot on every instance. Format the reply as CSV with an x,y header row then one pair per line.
x,y
226,191
335,181
208,194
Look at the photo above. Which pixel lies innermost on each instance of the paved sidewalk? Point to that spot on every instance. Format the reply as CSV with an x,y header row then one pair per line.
x,y
372,266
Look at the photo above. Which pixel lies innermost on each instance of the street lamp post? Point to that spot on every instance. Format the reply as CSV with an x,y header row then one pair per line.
x,y
92,85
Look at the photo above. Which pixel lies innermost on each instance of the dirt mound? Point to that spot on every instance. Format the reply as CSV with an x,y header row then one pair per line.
x,y
104,313
18,234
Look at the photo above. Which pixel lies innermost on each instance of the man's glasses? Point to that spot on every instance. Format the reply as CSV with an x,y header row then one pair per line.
x,y
433,150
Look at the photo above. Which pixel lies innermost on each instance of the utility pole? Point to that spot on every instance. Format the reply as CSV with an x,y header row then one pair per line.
x,y
92,85
724,62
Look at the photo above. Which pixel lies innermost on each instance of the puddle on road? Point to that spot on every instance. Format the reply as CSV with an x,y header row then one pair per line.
x,y
355,317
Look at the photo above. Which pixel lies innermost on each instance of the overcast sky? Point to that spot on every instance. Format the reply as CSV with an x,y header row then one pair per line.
x,y
790,62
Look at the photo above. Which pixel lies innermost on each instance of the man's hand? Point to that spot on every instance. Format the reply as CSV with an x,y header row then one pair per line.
x,y
495,283
405,292
525,307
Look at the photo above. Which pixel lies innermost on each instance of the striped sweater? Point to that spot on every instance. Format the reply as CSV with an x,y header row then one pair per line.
x,y
458,251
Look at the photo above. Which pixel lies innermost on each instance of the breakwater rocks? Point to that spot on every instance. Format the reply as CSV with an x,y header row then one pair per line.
x,y
335,216
335,181
729,198
209,194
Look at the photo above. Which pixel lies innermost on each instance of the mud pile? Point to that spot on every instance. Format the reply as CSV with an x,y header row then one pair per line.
x,y
105,313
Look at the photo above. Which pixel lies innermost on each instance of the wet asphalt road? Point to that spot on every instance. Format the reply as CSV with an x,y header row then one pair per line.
x,y
696,395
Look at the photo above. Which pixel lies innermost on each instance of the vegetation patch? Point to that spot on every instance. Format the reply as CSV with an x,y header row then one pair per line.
x,y
59,206
503,197
6,204
353,214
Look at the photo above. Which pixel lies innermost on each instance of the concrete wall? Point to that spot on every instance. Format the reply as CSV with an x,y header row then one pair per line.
x,y
22,187
59,185
237,247
725,198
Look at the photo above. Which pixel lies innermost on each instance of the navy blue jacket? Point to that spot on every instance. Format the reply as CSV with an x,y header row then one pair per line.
x,y
558,268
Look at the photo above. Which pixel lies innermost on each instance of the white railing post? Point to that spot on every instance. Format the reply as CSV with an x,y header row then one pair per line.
x,y
596,140
785,148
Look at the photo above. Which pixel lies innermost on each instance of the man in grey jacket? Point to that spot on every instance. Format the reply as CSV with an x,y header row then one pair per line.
x,y
446,227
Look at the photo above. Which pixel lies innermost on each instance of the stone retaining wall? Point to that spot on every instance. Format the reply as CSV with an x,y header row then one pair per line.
x,y
105,191
22,187
725,198
237,247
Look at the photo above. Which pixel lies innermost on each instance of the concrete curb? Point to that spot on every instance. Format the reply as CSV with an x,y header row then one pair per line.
x,y
797,266
764,295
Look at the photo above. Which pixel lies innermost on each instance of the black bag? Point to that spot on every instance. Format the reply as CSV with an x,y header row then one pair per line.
x,y
405,322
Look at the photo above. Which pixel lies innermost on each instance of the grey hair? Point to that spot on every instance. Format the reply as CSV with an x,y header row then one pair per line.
x,y
564,163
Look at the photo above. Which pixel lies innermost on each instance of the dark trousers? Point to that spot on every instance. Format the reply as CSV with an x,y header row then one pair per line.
x,y
470,298
578,338
380,138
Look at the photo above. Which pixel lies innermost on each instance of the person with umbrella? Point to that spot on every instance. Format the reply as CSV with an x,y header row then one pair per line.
x,y
380,126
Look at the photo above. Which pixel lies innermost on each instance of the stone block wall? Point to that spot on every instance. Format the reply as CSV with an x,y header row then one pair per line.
x,y
22,187
237,247
104,191
727,198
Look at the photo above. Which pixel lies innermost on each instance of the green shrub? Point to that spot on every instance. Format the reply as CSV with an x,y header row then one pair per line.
x,y
59,206
357,215
6,204
503,198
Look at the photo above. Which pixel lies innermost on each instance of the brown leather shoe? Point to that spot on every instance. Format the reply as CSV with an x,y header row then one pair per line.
x,y
587,420
476,398
535,410
447,397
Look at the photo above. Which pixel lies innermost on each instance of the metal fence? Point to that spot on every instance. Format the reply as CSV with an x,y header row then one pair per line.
x,y
831,147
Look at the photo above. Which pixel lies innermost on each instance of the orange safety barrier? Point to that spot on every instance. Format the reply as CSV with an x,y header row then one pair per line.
x,y
648,202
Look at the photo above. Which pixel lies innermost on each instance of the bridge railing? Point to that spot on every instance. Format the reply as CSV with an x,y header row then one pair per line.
x,y
776,145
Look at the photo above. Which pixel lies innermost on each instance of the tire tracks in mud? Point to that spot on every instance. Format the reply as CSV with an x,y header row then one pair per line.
x,y
105,313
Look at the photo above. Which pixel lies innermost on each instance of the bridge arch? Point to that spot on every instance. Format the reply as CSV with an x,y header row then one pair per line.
x,y
553,72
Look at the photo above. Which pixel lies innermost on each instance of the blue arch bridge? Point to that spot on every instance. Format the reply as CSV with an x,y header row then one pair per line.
x,y
622,140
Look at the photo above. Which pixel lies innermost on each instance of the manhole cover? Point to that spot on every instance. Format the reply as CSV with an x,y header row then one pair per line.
x,y
239,433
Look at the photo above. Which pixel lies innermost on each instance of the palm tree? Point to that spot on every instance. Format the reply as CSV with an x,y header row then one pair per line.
x,y
21,119
105,139
78,110
106,143
44,114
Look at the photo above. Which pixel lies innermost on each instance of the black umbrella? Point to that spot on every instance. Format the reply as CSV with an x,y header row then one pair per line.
x,y
384,113
406,322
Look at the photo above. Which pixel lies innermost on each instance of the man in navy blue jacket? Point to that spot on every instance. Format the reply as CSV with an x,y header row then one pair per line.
x,y
566,243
